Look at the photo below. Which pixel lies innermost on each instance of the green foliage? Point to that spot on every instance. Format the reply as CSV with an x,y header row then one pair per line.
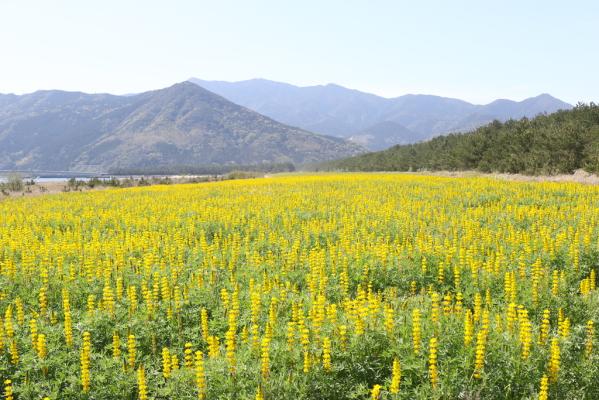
x,y
548,144
243,175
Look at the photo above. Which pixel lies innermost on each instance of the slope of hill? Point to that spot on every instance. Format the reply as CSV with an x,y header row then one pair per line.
x,y
335,110
329,109
558,143
384,135
180,125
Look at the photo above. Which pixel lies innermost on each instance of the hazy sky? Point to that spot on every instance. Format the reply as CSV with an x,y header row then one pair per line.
x,y
475,50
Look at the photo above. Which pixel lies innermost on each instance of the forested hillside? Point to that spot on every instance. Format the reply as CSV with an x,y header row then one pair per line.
x,y
558,143
182,125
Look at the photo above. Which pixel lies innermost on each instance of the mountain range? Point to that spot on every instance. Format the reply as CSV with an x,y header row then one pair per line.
x,y
180,125
373,121
202,123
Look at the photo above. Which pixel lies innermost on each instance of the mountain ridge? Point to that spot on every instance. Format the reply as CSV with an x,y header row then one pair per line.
x,y
335,110
181,124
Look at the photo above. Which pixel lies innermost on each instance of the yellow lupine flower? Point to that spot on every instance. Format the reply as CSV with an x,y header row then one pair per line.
x,y
544,331
142,387
343,336
259,395
590,333
41,347
200,377
395,376
188,355
375,393
468,328
131,351
479,362
8,323
8,391
307,363
554,360
525,333
14,352
116,345
326,354
166,362
416,333
68,324
265,358
435,307
204,324
389,320
85,362
544,390
32,330
432,362
20,311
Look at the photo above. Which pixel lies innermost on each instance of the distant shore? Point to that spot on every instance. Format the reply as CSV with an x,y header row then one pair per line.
x,y
31,187
41,186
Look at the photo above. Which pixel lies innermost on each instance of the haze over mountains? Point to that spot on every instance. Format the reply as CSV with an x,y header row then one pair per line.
x,y
371,120
180,125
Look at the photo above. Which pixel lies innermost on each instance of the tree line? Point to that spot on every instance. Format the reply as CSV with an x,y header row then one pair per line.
x,y
561,142
210,169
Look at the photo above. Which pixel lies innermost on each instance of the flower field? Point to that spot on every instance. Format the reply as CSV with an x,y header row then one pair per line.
x,y
363,286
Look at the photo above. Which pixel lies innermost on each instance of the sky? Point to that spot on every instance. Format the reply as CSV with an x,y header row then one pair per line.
x,y
474,50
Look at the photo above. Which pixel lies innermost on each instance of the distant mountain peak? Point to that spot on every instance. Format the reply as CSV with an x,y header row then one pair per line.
x,y
545,95
184,84
546,98
181,87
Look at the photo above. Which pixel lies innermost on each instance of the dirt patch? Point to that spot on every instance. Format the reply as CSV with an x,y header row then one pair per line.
x,y
53,187
579,176
44,188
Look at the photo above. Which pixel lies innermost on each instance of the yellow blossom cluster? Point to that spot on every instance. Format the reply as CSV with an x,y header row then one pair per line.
x,y
394,284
